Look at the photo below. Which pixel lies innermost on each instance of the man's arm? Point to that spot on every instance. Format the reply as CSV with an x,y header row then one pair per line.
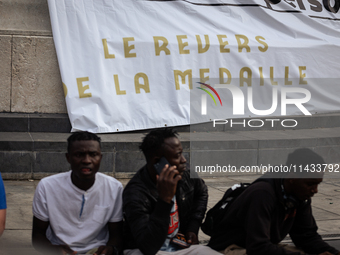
x,y
40,241
116,235
149,229
115,240
259,212
304,232
198,210
258,227
2,220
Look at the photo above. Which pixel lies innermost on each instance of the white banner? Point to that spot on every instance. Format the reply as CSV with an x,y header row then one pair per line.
x,y
129,64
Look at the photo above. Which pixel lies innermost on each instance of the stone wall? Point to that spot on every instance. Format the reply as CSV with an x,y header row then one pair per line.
x,y
29,73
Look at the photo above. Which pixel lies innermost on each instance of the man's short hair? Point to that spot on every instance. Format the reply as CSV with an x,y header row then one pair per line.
x,y
304,160
304,157
153,141
82,136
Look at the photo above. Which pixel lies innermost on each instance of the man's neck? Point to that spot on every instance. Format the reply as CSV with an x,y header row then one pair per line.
x,y
287,187
151,172
82,184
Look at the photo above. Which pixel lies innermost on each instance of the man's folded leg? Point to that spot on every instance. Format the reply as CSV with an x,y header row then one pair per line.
x,y
236,250
192,250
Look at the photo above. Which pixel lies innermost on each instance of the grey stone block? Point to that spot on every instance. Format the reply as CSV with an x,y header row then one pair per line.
x,y
129,161
124,146
5,72
27,15
56,142
14,141
16,162
121,141
267,135
31,122
50,162
36,82
185,145
287,143
16,146
50,146
327,141
305,122
206,127
274,157
54,123
328,121
12,122
107,163
277,156
184,128
315,133
224,145
108,146
331,154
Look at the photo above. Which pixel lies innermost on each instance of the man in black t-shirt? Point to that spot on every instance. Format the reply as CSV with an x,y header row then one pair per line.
x,y
260,218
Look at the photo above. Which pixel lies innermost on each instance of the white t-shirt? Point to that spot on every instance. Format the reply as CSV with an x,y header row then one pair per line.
x,y
78,218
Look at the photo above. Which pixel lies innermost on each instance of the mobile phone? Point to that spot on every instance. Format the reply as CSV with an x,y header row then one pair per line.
x,y
180,241
160,165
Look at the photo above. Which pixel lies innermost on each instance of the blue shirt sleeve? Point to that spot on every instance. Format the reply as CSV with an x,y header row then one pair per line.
x,y
3,204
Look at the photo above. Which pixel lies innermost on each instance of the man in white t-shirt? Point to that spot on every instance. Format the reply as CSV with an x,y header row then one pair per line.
x,y
79,211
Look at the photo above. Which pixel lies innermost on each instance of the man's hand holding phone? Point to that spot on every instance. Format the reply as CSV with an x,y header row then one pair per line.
x,y
167,180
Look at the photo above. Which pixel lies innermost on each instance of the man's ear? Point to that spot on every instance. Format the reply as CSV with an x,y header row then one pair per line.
x,y
155,159
291,181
